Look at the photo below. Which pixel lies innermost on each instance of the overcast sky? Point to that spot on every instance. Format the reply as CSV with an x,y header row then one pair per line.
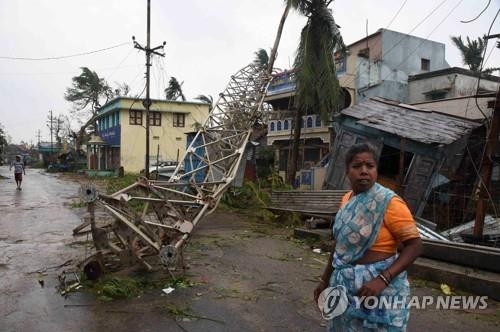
x,y
207,41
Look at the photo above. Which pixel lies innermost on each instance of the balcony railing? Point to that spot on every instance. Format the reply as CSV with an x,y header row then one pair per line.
x,y
283,126
281,83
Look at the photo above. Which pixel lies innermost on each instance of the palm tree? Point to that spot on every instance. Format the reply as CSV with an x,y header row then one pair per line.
x,y
318,89
472,53
261,57
86,93
208,99
174,90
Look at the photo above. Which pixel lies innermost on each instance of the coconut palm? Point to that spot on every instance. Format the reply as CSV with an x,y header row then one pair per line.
x,y
87,92
318,89
472,52
208,99
261,57
174,90
274,49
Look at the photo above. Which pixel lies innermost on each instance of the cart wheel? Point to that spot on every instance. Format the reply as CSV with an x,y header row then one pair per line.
x,y
93,270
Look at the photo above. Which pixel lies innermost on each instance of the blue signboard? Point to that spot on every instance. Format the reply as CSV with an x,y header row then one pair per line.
x,y
111,135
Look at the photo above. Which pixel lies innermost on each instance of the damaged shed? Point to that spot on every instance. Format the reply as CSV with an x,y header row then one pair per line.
x,y
417,149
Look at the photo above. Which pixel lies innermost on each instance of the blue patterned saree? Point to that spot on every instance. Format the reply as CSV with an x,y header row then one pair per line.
x,y
355,229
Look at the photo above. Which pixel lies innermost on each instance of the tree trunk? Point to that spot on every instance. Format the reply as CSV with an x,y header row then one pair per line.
x,y
274,50
81,133
292,162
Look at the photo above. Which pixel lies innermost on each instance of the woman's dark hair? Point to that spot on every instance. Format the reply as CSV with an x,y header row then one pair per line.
x,y
357,149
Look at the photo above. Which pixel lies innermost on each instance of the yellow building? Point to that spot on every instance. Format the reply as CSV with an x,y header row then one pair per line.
x,y
121,140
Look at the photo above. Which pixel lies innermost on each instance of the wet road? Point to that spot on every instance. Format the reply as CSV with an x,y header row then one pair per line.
x,y
249,275
35,228
234,284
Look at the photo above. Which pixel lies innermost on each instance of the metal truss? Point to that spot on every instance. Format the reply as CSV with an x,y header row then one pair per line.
x,y
153,220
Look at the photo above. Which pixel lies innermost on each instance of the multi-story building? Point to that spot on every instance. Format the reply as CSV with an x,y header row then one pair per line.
x,y
448,83
378,65
121,136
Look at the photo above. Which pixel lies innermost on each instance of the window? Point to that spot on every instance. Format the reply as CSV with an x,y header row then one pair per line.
x,y
155,119
318,121
425,64
272,126
285,125
278,126
309,122
179,119
135,117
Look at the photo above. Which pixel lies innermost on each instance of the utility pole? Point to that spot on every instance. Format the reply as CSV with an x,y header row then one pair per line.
x,y
51,123
39,137
147,102
487,167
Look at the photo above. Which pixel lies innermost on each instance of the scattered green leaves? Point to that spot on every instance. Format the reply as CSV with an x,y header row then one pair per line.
x,y
78,203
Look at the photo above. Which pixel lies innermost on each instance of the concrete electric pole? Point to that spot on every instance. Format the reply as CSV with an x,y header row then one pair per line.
x,y
147,102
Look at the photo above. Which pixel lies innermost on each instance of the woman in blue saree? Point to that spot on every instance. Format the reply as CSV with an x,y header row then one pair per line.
x,y
365,265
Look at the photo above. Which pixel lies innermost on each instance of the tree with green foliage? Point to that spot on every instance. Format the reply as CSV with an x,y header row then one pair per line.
x,y
208,99
472,52
3,142
174,90
261,57
318,89
87,93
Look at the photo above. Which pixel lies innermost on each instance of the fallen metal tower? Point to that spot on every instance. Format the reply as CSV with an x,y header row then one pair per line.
x,y
153,220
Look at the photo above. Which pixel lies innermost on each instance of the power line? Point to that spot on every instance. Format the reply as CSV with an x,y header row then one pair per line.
x,y
426,39
397,13
63,56
70,72
403,38
481,13
481,70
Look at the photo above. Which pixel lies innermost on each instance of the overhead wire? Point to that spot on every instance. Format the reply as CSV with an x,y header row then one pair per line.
x,y
481,13
397,13
120,63
407,35
481,70
426,38
488,128
67,72
63,56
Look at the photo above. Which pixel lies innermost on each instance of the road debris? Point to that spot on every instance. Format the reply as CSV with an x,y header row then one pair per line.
x,y
168,290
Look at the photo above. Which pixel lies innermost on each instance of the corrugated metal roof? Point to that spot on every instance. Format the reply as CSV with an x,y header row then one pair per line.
x,y
410,122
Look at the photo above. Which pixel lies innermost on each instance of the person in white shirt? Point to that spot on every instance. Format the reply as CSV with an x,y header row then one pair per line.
x,y
18,171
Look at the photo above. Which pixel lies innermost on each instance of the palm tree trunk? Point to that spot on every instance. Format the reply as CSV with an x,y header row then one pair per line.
x,y
274,50
292,162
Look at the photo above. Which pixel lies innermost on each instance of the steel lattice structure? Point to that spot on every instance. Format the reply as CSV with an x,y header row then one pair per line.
x,y
154,219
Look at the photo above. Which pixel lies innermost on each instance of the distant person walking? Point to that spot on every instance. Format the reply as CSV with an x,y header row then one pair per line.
x,y
18,171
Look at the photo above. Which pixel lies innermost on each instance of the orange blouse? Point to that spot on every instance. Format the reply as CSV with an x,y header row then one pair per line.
x,y
398,225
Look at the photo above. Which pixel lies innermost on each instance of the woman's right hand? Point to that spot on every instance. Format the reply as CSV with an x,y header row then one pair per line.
x,y
321,287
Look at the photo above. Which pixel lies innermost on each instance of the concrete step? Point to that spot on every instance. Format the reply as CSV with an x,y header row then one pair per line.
x,y
468,279
318,234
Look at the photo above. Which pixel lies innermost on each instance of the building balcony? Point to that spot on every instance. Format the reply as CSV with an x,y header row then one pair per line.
x,y
282,83
311,127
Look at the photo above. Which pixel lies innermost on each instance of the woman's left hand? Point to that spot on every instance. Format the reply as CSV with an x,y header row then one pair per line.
x,y
372,288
